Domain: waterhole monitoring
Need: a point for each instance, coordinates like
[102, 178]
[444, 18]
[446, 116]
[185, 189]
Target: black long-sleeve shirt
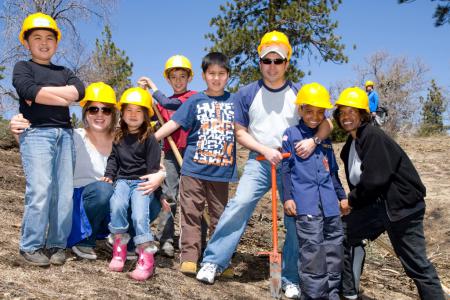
[386, 172]
[29, 77]
[130, 159]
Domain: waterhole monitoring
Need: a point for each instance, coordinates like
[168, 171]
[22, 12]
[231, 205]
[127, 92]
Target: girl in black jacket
[386, 194]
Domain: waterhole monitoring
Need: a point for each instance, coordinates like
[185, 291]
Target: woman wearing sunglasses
[93, 144]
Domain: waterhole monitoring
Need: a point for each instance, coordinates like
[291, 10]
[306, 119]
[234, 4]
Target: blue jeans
[124, 193]
[96, 197]
[48, 162]
[254, 183]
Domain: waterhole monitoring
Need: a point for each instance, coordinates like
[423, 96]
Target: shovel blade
[275, 275]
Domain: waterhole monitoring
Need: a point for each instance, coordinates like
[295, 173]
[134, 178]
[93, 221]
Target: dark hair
[216, 58]
[114, 115]
[27, 33]
[363, 114]
[145, 130]
[188, 72]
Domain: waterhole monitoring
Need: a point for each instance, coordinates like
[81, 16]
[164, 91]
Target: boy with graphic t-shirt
[210, 157]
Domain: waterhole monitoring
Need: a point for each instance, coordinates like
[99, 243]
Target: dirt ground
[383, 277]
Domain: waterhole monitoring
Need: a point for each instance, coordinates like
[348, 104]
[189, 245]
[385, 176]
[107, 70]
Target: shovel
[274, 255]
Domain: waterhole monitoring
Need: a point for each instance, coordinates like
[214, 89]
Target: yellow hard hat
[369, 83]
[39, 21]
[314, 94]
[275, 37]
[137, 96]
[99, 92]
[178, 61]
[354, 97]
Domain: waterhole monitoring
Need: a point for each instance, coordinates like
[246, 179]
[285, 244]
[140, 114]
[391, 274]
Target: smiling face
[273, 74]
[133, 116]
[311, 115]
[350, 119]
[216, 77]
[42, 44]
[178, 79]
[99, 116]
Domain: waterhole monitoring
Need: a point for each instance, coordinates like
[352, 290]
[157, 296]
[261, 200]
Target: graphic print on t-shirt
[215, 144]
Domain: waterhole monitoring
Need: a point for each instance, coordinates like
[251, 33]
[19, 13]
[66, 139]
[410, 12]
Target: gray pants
[321, 252]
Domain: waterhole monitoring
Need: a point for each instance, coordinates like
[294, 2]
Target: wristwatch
[317, 140]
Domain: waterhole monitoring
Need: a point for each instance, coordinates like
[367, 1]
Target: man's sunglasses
[277, 61]
[93, 110]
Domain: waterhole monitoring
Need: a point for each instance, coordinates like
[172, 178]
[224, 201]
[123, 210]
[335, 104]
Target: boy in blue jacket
[312, 190]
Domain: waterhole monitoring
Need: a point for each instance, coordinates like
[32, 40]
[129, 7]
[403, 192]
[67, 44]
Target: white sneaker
[351, 297]
[207, 273]
[292, 291]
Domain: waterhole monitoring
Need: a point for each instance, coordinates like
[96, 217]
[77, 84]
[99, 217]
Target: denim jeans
[253, 184]
[96, 197]
[48, 163]
[125, 192]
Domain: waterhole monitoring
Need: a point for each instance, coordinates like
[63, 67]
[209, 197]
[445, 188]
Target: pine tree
[110, 64]
[432, 110]
[308, 25]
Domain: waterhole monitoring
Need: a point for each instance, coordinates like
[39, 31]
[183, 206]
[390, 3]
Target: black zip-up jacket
[387, 173]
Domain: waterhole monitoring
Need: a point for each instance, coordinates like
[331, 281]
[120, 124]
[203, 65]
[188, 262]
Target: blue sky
[152, 31]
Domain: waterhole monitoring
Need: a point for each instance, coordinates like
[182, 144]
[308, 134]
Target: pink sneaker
[119, 253]
[145, 266]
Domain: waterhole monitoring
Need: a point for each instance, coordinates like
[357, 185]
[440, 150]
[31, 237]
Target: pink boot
[119, 253]
[145, 265]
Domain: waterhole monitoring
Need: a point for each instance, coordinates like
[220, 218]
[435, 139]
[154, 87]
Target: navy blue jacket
[311, 180]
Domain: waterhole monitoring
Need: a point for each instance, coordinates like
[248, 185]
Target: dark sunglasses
[93, 110]
[277, 61]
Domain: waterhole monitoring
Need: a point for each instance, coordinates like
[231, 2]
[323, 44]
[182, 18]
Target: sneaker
[57, 256]
[145, 266]
[228, 273]
[85, 252]
[119, 253]
[35, 258]
[292, 291]
[167, 249]
[207, 273]
[350, 297]
[188, 268]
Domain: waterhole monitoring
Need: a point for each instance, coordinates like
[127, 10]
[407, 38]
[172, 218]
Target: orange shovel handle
[274, 203]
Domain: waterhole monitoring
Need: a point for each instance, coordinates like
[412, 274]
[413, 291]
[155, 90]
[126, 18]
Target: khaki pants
[194, 194]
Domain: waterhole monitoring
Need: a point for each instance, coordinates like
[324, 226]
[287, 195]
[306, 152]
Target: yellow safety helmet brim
[137, 96]
[354, 97]
[178, 62]
[314, 94]
[99, 92]
[275, 37]
[39, 21]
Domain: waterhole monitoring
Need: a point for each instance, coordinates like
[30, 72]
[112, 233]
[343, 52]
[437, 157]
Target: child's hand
[345, 207]
[18, 124]
[290, 208]
[152, 182]
[28, 102]
[305, 148]
[165, 206]
[145, 82]
[106, 179]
